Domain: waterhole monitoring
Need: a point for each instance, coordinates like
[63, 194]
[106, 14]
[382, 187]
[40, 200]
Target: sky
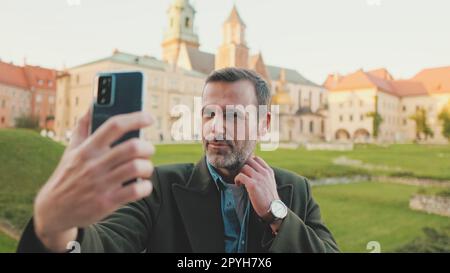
[316, 37]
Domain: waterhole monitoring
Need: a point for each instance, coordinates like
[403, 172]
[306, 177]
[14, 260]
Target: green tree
[376, 119]
[422, 127]
[444, 117]
[29, 122]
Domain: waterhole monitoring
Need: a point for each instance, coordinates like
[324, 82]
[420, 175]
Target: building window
[361, 117]
[50, 83]
[301, 125]
[404, 108]
[404, 121]
[341, 118]
[154, 101]
[350, 117]
[311, 126]
[76, 101]
[158, 123]
[38, 98]
[40, 82]
[187, 22]
[322, 126]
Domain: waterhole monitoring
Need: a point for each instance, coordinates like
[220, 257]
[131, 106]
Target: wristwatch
[277, 211]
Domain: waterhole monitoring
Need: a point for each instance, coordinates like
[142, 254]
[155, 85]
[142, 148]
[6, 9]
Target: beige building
[179, 77]
[166, 87]
[352, 98]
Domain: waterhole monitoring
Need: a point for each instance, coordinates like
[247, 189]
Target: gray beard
[233, 160]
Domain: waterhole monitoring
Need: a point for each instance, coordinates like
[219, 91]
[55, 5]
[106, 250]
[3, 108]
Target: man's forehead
[229, 93]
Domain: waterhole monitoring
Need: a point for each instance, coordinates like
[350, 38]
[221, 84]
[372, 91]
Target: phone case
[127, 95]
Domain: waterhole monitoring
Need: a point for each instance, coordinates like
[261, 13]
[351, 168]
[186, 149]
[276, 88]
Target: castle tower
[180, 31]
[234, 51]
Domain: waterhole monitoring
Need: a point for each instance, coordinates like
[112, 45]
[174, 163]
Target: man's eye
[208, 114]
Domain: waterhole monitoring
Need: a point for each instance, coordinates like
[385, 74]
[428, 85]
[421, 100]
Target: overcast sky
[316, 37]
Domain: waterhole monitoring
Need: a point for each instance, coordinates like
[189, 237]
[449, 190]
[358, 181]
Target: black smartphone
[117, 93]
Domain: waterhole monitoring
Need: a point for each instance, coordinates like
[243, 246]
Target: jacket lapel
[199, 204]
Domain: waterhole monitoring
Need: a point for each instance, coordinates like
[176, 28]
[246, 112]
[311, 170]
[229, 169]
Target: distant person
[230, 201]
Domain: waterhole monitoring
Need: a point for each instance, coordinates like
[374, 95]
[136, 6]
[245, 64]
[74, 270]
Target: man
[230, 201]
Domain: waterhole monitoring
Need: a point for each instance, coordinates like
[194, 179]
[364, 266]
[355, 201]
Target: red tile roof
[404, 88]
[28, 76]
[436, 80]
[12, 75]
[41, 78]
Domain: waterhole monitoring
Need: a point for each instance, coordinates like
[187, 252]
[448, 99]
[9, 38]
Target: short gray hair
[233, 74]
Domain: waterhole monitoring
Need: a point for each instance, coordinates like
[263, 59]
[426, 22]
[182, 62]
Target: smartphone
[117, 93]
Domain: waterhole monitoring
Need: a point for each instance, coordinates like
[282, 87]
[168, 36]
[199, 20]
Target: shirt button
[243, 242]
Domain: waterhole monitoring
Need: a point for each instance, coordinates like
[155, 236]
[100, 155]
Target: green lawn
[423, 161]
[7, 244]
[377, 211]
[369, 211]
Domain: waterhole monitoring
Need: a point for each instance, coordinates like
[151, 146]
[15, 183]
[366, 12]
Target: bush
[28, 122]
[433, 241]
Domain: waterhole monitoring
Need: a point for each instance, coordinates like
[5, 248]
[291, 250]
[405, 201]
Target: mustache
[220, 141]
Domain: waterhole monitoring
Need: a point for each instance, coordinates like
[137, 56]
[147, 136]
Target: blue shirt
[235, 216]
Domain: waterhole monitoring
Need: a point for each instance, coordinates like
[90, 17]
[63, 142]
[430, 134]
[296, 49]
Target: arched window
[311, 126]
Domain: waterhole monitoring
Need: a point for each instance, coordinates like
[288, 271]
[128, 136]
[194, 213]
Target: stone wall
[431, 204]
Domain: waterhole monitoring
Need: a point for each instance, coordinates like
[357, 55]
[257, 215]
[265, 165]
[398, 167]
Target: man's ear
[264, 125]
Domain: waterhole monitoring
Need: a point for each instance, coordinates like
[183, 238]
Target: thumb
[81, 131]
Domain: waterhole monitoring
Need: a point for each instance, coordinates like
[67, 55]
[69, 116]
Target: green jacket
[183, 215]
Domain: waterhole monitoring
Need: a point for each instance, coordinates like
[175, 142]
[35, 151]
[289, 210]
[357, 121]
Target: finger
[124, 152]
[262, 162]
[137, 168]
[249, 171]
[81, 131]
[132, 192]
[243, 179]
[116, 126]
[255, 165]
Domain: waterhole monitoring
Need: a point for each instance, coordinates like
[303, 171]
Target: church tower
[234, 51]
[180, 31]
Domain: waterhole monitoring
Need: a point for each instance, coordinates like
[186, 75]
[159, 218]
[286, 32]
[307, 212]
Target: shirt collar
[220, 183]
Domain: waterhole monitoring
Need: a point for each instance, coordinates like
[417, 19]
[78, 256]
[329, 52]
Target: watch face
[278, 209]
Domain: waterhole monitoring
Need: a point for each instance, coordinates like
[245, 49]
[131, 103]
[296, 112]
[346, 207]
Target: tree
[376, 122]
[444, 117]
[376, 119]
[29, 122]
[422, 128]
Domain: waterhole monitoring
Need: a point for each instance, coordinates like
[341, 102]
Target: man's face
[223, 146]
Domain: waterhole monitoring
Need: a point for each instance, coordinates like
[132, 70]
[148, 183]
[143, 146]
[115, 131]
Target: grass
[422, 161]
[27, 161]
[362, 212]
[7, 244]
[356, 213]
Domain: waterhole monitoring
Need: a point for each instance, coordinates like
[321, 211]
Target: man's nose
[218, 127]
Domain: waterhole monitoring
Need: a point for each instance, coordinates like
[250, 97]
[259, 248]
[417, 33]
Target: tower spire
[181, 15]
